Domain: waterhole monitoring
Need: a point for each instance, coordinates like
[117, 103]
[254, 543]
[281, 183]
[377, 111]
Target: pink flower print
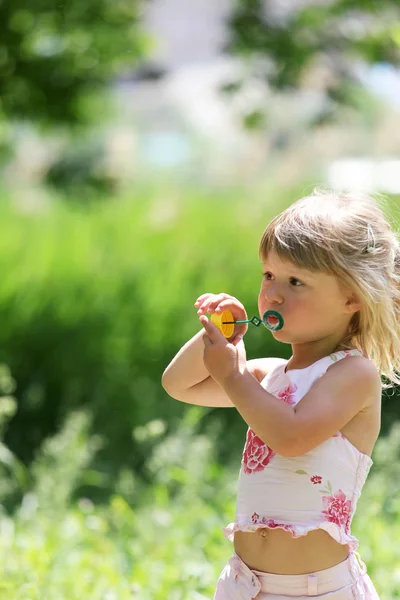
[287, 394]
[353, 352]
[337, 508]
[270, 523]
[256, 454]
[316, 479]
[339, 434]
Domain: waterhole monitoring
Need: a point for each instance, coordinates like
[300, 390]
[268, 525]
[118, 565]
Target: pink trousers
[346, 581]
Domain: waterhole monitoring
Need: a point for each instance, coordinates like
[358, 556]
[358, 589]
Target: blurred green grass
[95, 302]
[168, 544]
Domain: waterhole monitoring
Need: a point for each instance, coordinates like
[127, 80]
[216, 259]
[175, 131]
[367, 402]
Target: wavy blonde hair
[347, 235]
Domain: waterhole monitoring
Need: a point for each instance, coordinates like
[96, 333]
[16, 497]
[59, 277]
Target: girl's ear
[353, 303]
[351, 299]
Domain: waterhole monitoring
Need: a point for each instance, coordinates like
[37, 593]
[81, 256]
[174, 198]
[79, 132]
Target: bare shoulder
[363, 376]
[364, 428]
[260, 367]
[345, 398]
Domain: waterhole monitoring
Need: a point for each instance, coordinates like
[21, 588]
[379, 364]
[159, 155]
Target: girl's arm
[187, 379]
[187, 368]
[348, 387]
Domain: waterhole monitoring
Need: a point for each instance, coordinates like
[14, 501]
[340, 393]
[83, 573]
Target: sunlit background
[144, 146]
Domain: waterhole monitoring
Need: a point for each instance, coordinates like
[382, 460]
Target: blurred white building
[182, 121]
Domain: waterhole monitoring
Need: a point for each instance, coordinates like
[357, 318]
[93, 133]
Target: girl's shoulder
[355, 358]
[361, 373]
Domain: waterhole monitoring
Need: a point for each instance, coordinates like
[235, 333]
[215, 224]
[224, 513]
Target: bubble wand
[226, 323]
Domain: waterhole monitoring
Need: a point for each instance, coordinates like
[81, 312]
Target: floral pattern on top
[287, 394]
[315, 479]
[353, 352]
[337, 508]
[270, 523]
[339, 434]
[256, 454]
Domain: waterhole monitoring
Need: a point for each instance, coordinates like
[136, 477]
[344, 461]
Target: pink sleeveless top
[317, 490]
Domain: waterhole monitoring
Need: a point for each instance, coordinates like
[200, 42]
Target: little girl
[331, 268]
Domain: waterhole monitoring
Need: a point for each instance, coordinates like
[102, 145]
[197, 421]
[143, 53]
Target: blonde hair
[347, 235]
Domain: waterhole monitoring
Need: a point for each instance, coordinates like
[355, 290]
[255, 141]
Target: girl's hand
[222, 359]
[209, 303]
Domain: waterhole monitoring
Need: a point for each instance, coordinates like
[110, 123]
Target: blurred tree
[315, 43]
[54, 54]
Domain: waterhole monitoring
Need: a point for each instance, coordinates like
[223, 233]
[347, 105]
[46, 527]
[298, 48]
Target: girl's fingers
[214, 334]
[201, 303]
[203, 297]
[208, 304]
[216, 302]
[237, 339]
[232, 306]
[209, 296]
[203, 308]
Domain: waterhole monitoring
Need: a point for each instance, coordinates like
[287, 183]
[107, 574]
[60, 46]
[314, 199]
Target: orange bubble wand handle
[224, 321]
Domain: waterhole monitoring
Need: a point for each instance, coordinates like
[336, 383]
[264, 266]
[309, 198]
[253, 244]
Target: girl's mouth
[273, 320]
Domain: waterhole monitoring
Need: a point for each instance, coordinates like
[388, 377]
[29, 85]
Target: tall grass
[167, 541]
[94, 303]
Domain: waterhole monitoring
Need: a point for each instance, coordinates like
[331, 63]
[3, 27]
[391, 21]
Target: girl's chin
[280, 334]
[284, 336]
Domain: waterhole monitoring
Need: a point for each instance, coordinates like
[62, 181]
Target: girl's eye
[297, 282]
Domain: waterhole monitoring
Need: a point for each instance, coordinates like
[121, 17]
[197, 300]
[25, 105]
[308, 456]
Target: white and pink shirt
[318, 490]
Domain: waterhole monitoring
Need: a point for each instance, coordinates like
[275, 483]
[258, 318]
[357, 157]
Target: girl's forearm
[187, 368]
[272, 420]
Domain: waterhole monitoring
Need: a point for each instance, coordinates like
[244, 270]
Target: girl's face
[314, 305]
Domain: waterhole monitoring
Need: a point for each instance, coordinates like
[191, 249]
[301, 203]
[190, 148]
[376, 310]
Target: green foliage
[377, 521]
[54, 55]
[94, 305]
[79, 172]
[13, 473]
[281, 45]
[161, 540]
[136, 548]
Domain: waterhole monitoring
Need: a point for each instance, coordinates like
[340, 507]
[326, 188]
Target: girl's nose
[273, 295]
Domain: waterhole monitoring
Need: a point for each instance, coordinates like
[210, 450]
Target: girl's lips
[273, 322]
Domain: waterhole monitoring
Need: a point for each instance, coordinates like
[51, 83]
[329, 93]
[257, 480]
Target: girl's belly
[282, 554]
